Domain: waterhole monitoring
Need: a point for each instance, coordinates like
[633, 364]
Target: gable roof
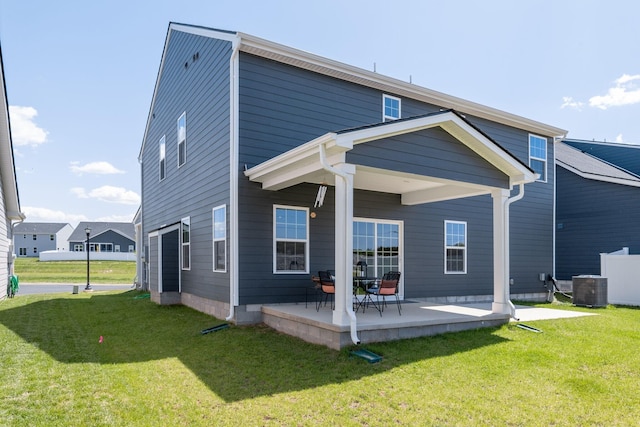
[125, 229]
[39, 227]
[303, 163]
[590, 167]
[7, 163]
[318, 64]
[624, 156]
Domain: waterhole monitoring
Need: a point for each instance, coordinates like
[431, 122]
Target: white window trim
[546, 169]
[213, 216]
[186, 220]
[389, 118]
[465, 249]
[163, 158]
[306, 241]
[184, 114]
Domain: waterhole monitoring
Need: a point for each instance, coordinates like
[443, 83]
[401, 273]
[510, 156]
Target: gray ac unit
[590, 291]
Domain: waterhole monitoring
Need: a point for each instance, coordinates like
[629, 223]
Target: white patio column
[344, 243]
[501, 302]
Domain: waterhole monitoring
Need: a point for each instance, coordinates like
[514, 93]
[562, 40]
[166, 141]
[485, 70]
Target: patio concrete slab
[418, 318]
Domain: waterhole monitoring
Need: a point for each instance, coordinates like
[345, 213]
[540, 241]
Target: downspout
[348, 304]
[233, 178]
[507, 250]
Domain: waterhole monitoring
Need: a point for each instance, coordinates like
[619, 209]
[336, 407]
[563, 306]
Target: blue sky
[80, 74]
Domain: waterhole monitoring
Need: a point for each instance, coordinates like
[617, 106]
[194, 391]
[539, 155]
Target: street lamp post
[88, 287]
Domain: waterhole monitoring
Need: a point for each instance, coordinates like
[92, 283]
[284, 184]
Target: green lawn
[31, 270]
[154, 368]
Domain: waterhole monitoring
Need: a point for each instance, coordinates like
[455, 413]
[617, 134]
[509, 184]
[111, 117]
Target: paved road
[48, 288]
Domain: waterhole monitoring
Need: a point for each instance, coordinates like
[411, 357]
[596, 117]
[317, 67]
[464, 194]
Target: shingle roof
[591, 167]
[124, 228]
[39, 227]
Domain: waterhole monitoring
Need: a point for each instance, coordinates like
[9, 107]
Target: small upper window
[186, 243]
[182, 139]
[538, 156]
[163, 154]
[390, 108]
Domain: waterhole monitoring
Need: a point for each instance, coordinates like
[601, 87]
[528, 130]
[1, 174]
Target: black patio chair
[386, 287]
[328, 288]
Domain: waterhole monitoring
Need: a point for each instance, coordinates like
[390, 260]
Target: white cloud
[35, 214]
[569, 102]
[23, 129]
[625, 92]
[619, 139]
[109, 194]
[100, 168]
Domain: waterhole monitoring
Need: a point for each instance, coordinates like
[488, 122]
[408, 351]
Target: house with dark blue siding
[103, 237]
[262, 164]
[598, 204]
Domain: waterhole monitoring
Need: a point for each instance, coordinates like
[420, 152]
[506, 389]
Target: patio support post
[500, 253]
[344, 243]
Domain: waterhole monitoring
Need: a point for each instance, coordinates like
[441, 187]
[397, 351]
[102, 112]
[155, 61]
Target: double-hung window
[163, 155]
[390, 108]
[182, 139]
[185, 225]
[538, 156]
[220, 238]
[455, 247]
[291, 239]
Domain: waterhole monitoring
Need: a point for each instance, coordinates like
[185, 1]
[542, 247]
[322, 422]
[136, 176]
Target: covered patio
[341, 160]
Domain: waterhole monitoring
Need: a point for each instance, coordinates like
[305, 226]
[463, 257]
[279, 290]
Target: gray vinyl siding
[431, 152]
[593, 217]
[282, 107]
[202, 91]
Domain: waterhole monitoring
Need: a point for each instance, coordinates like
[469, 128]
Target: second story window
[182, 139]
[538, 156]
[390, 108]
[163, 154]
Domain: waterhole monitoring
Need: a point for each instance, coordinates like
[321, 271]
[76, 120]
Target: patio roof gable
[302, 164]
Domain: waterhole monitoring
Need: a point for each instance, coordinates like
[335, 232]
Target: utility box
[590, 291]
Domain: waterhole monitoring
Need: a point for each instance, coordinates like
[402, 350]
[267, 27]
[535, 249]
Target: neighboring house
[242, 136]
[31, 238]
[597, 205]
[9, 199]
[103, 237]
[623, 156]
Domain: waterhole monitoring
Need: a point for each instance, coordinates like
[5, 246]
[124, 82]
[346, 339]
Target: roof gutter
[343, 176]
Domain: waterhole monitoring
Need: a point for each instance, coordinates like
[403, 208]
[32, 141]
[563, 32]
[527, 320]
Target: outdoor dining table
[364, 283]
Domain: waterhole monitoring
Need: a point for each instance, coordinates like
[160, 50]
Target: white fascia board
[312, 62]
[296, 154]
[602, 178]
[439, 194]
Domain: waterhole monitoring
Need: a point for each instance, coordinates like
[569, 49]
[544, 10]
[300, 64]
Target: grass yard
[31, 270]
[154, 367]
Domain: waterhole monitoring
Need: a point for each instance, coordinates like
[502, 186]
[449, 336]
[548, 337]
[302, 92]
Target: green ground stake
[528, 328]
[215, 328]
[143, 296]
[367, 355]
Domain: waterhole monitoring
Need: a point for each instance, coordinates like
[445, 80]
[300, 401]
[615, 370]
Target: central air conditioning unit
[590, 291]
